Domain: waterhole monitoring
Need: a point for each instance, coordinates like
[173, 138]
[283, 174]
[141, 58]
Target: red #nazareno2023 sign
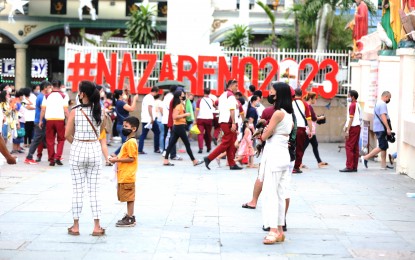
[194, 71]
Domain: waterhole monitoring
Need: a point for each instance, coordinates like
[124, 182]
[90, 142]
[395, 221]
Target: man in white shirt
[227, 121]
[204, 119]
[54, 110]
[148, 115]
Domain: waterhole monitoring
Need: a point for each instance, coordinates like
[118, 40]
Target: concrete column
[20, 68]
[188, 27]
[365, 81]
[389, 65]
[406, 118]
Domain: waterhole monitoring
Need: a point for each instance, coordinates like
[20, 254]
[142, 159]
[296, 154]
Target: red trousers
[55, 130]
[352, 148]
[227, 144]
[299, 147]
[216, 126]
[205, 127]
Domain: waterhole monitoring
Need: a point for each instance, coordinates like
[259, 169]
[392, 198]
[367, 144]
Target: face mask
[9, 90]
[257, 104]
[63, 89]
[126, 132]
[271, 99]
[36, 91]
[387, 101]
[349, 99]
[124, 97]
[102, 94]
[183, 98]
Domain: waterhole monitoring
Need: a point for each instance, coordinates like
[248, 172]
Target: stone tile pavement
[186, 212]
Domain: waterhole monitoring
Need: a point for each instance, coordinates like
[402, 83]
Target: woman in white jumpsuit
[275, 162]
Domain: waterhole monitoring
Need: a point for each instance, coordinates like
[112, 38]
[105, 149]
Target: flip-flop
[72, 233]
[168, 164]
[198, 163]
[246, 206]
[99, 233]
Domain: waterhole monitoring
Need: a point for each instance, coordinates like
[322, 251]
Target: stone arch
[42, 32]
[10, 36]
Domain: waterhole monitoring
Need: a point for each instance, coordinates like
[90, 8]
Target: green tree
[296, 10]
[271, 16]
[340, 40]
[238, 37]
[139, 28]
[320, 14]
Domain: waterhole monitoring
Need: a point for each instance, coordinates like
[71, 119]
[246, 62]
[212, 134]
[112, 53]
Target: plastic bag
[194, 130]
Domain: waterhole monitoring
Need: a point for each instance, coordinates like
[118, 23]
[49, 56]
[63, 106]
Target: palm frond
[267, 10]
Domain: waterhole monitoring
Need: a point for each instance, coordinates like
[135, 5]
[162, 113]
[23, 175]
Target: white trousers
[273, 198]
[85, 163]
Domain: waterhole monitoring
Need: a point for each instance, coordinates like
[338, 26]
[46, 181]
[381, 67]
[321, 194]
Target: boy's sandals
[99, 233]
[273, 238]
[71, 232]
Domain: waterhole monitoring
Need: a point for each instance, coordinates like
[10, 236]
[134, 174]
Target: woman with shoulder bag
[85, 162]
[311, 99]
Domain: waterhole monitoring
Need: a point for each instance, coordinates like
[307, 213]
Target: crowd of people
[239, 126]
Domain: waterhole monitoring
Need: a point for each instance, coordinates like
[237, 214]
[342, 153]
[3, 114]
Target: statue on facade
[91, 8]
[385, 30]
[407, 15]
[360, 25]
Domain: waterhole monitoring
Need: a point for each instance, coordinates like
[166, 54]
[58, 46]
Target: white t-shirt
[55, 102]
[166, 106]
[30, 114]
[158, 104]
[22, 114]
[205, 108]
[260, 109]
[226, 104]
[148, 100]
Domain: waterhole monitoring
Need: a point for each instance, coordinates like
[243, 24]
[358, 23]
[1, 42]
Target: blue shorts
[383, 143]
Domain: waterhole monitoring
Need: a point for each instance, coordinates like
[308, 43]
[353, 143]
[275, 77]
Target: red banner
[195, 71]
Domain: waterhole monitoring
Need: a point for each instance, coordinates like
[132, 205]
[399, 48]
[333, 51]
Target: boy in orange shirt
[127, 168]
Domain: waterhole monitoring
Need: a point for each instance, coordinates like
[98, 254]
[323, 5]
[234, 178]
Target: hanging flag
[58, 7]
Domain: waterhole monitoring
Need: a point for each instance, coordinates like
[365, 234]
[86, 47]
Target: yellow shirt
[126, 171]
[180, 109]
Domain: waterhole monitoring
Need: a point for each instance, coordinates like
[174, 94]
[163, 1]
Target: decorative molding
[217, 23]
[27, 29]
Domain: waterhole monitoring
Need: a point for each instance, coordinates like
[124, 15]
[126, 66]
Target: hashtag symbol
[80, 70]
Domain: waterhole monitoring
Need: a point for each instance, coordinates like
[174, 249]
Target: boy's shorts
[126, 192]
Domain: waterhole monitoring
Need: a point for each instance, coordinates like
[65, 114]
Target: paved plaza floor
[186, 212]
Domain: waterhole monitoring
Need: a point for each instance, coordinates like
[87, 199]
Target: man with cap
[227, 105]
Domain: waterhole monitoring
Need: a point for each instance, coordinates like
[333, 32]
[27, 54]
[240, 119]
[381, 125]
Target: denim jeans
[38, 140]
[144, 132]
[161, 139]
